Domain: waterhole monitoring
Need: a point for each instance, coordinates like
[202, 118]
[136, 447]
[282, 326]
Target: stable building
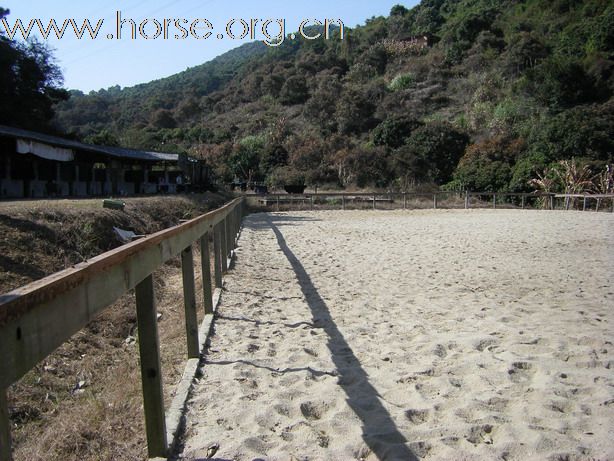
[36, 165]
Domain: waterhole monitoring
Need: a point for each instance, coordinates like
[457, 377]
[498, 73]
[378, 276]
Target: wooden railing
[37, 318]
[310, 200]
[372, 198]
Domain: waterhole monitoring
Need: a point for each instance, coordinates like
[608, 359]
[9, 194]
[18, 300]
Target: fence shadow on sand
[379, 431]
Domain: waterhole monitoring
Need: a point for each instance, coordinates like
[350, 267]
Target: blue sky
[93, 64]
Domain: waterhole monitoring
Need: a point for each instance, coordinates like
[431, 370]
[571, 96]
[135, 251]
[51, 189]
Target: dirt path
[404, 335]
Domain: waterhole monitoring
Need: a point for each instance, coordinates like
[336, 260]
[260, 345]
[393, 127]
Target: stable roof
[118, 152]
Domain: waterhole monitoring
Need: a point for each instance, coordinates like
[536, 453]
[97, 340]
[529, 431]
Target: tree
[244, 162]
[583, 131]
[560, 83]
[394, 132]
[30, 83]
[273, 156]
[487, 165]
[354, 111]
[431, 153]
[294, 91]
[320, 108]
[525, 51]
[103, 138]
[398, 10]
[163, 118]
[426, 18]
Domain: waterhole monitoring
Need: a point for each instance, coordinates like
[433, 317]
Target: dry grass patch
[84, 401]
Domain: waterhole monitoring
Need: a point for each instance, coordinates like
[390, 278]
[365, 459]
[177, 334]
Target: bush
[431, 153]
[286, 175]
[294, 91]
[354, 111]
[582, 131]
[560, 83]
[402, 82]
[487, 166]
[394, 131]
[363, 166]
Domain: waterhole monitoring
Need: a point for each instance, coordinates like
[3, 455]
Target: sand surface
[475, 334]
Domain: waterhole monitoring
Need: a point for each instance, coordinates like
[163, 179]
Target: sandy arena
[476, 335]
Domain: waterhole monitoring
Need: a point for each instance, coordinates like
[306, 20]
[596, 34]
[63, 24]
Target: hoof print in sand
[323, 440]
[417, 416]
[420, 449]
[480, 434]
[520, 371]
[440, 351]
[312, 411]
[252, 348]
[486, 344]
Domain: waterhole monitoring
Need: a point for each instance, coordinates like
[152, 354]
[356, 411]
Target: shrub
[294, 91]
[354, 111]
[583, 131]
[487, 166]
[286, 175]
[402, 82]
[559, 82]
[431, 153]
[394, 131]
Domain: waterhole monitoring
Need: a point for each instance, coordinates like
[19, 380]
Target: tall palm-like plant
[604, 183]
[575, 178]
[544, 183]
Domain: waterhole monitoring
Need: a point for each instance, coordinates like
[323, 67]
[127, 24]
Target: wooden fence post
[584, 203]
[239, 219]
[278, 203]
[224, 246]
[312, 203]
[522, 198]
[494, 201]
[552, 202]
[405, 200]
[374, 201]
[343, 202]
[217, 255]
[205, 263]
[151, 376]
[467, 204]
[435, 201]
[5, 428]
[189, 302]
[231, 232]
[234, 227]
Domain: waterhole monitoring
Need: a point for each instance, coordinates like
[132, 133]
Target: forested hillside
[504, 90]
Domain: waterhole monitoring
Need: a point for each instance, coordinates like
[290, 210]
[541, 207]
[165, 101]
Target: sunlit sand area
[474, 334]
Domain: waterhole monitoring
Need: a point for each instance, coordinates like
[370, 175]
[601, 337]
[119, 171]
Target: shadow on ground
[378, 428]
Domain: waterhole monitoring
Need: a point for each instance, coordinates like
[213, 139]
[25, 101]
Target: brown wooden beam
[205, 262]
[151, 375]
[189, 302]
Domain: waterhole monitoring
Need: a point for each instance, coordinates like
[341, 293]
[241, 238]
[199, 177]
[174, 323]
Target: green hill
[504, 89]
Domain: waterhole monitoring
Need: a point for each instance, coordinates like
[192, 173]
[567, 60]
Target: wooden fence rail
[278, 199]
[37, 318]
